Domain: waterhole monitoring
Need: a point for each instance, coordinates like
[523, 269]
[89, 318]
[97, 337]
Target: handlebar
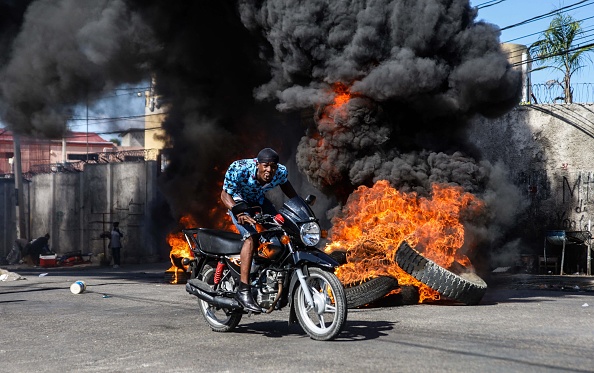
[262, 219]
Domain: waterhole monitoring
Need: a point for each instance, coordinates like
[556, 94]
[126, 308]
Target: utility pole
[87, 127]
[63, 152]
[18, 185]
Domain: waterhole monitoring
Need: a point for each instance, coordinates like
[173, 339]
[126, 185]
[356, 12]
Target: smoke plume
[237, 76]
[65, 54]
[419, 69]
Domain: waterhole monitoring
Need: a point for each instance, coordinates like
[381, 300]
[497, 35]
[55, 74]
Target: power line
[130, 91]
[545, 15]
[555, 54]
[584, 36]
[540, 32]
[117, 118]
[489, 3]
[589, 43]
[122, 131]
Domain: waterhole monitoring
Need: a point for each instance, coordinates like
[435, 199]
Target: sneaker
[116, 266]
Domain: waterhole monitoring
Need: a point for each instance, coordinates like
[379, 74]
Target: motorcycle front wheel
[219, 319]
[325, 319]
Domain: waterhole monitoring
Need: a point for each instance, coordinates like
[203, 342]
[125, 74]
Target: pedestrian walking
[115, 244]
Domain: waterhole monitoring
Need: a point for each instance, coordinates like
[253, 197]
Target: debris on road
[10, 276]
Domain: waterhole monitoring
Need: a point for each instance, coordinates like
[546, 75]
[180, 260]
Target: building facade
[35, 153]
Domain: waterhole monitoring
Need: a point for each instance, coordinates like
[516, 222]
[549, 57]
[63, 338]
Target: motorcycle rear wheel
[217, 318]
[326, 319]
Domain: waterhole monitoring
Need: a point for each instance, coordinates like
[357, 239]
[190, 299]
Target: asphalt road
[130, 320]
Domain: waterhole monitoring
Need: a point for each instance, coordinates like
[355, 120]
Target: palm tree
[558, 46]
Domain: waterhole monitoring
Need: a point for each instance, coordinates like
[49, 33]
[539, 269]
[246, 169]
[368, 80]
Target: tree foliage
[559, 48]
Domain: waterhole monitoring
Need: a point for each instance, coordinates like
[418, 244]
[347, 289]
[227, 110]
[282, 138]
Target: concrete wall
[549, 150]
[8, 214]
[76, 207]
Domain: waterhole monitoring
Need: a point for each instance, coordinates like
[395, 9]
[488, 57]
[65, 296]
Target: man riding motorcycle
[248, 180]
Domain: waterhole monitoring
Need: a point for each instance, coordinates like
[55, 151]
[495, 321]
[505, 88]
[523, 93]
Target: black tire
[339, 256]
[219, 320]
[467, 288]
[369, 291]
[327, 318]
[407, 296]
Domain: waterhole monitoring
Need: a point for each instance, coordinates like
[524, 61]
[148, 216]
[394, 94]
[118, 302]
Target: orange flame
[179, 248]
[376, 220]
[342, 94]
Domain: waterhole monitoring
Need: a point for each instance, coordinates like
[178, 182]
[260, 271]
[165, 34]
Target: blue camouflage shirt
[240, 181]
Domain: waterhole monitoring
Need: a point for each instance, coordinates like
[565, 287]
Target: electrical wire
[142, 116]
[555, 54]
[584, 36]
[489, 4]
[545, 15]
[540, 32]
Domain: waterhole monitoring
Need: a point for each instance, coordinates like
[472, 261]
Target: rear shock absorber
[219, 272]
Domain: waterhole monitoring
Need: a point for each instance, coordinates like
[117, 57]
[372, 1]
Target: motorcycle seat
[214, 241]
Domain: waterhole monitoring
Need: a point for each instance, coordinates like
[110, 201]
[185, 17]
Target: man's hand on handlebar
[244, 218]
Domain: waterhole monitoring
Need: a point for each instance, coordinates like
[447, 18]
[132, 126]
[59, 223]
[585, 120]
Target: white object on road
[78, 287]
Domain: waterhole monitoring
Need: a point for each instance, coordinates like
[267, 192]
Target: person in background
[37, 247]
[17, 253]
[115, 244]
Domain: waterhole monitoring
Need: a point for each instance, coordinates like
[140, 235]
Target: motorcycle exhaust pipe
[217, 300]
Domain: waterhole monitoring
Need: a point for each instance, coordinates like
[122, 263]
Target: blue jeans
[247, 230]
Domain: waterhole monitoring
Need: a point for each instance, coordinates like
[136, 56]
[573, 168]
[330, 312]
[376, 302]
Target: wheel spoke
[330, 308]
[321, 320]
[322, 323]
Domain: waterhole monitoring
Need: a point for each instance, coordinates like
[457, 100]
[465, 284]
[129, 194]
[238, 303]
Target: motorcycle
[287, 270]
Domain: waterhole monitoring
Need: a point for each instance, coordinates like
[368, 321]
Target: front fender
[316, 258]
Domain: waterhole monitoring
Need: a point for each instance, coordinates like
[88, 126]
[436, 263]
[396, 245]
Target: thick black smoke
[236, 76]
[206, 77]
[416, 70]
[419, 69]
[67, 53]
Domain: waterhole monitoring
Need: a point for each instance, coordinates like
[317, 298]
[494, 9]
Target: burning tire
[407, 295]
[467, 288]
[339, 256]
[369, 291]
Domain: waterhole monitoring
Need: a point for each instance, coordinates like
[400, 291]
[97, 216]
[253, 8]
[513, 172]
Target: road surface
[130, 320]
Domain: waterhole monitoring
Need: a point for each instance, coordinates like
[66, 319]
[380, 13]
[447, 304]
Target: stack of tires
[467, 288]
[377, 291]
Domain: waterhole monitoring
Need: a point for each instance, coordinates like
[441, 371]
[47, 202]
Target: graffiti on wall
[564, 202]
[577, 201]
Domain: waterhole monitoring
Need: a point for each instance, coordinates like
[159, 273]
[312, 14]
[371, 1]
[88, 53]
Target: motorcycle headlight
[310, 233]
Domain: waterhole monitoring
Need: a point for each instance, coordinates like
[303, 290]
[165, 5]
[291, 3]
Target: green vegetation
[559, 49]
